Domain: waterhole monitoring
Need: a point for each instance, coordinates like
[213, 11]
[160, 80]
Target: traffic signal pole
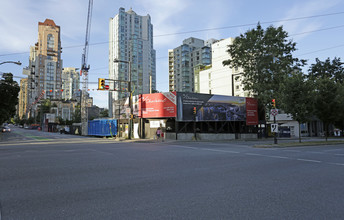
[275, 133]
[194, 122]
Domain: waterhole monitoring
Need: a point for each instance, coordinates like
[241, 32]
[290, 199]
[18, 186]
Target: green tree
[104, 114]
[266, 59]
[327, 69]
[328, 78]
[76, 117]
[297, 98]
[326, 105]
[44, 107]
[9, 90]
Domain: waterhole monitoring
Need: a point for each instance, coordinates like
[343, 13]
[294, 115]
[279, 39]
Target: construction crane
[84, 73]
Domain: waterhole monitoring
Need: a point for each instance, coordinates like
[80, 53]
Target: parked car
[5, 129]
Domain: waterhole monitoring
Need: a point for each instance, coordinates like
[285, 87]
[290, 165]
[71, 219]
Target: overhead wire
[212, 29]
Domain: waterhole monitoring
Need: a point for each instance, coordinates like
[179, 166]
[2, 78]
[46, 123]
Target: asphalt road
[68, 177]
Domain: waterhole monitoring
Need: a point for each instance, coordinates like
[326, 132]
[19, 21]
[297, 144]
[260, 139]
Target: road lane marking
[253, 154]
[332, 150]
[224, 151]
[316, 152]
[279, 157]
[339, 164]
[307, 160]
[206, 149]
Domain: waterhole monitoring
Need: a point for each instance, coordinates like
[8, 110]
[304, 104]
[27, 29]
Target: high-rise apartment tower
[45, 66]
[131, 42]
[182, 61]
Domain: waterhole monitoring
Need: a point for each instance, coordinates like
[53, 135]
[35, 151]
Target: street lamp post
[130, 95]
[18, 62]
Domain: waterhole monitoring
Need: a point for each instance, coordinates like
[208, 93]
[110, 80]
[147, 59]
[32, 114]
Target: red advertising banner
[157, 105]
[251, 111]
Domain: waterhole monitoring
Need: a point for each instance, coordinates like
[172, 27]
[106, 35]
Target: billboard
[251, 111]
[157, 105]
[213, 108]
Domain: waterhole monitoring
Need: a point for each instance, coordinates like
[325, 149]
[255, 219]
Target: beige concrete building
[48, 66]
[45, 66]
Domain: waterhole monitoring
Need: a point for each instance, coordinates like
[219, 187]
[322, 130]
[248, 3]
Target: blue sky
[19, 28]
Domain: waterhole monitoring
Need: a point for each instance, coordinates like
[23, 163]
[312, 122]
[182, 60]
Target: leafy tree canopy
[297, 98]
[9, 90]
[104, 114]
[266, 59]
[327, 69]
[328, 78]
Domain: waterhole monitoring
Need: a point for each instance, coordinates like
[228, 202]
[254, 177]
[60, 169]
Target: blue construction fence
[102, 127]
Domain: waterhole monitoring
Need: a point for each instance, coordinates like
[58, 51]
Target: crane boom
[84, 73]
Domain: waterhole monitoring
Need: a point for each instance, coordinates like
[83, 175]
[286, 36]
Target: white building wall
[218, 79]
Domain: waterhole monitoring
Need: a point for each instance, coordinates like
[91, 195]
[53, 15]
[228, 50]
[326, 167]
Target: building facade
[45, 66]
[70, 82]
[131, 43]
[48, 67]
[217, 78]
[23, 98]
[182, 61]
[171, 85]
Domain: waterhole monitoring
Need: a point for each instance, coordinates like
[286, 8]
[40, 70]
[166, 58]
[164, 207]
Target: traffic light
[101, 84]
[194, 110]
[273, 103]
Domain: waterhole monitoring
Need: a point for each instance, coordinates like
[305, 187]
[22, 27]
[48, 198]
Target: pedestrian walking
[158, 133]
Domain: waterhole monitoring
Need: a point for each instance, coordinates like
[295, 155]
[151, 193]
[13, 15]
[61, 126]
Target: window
[50, 41]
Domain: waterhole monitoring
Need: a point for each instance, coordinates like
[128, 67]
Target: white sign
[274, 112]
[274, 128]
[157, 124]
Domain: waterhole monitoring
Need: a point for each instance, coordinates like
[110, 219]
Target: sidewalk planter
[102, 127]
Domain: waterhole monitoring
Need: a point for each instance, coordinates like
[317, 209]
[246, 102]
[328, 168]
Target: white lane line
[306, 160]
[339, 164]
[271, 156]
[253, 154]
[194, 148]
[224, 151]
[292, 151]
[332, 150]
[316, 152]
[207, 149]
[261, 155]
[279, 157]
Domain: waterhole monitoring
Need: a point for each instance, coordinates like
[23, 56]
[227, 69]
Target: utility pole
[194, 111]
[130, 95]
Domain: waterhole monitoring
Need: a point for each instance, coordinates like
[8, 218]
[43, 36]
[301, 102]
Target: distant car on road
[5, 129]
